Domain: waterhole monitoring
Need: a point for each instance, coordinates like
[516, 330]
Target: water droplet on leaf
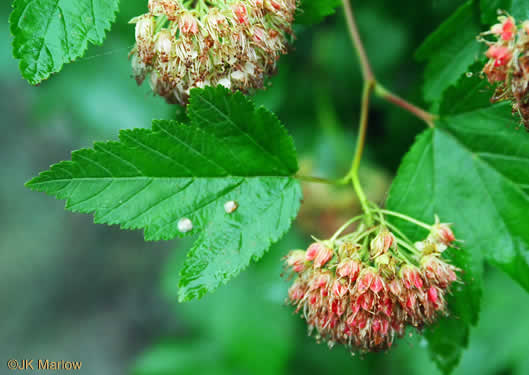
[185, 225]
[230, 207]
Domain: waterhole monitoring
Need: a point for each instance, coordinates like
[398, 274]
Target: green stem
[369, 76]
[367, 72]
[427, 117]
[408, 246]
[360, 142]
[388, 224]
[407, 218]
[353, 237]
[370, 85]
[398, 231]
[409, 260]
[343, 227]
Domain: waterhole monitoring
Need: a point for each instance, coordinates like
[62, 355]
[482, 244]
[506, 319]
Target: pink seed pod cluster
[363, 294]
[233, 43]
[508, 64]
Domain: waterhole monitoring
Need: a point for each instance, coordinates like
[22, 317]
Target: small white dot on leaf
[230, 207]
[185, 225]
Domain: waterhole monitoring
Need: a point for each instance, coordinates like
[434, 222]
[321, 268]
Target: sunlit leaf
[161, 178]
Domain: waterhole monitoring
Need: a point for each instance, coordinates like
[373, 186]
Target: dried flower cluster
[186, 44]
[364, 289]
[508, 65]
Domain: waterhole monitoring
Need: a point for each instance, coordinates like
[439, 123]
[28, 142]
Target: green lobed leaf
[314, 11]
[152, 178]
[519, 9]
[472, 170]
[49, 33]
[450, 50]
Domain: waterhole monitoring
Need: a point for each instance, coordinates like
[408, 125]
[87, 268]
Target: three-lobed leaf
[471, 170]
[49, 33]
[154, 178]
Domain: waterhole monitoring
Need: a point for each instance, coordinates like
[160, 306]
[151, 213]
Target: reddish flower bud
[320, 280]
[377, 325]
[360, 321]
[508, 29]
[296, 260]
[324, 255]
[259, 34]
[377, 285]
[410, 301]
[275, 4]
[437, 271]
[417, 280]
[338, 306]
[432, 295]
[366, 301]
[382, 243]
[313, 251]
[411, 277]
[387, 307]
[296, 292]
[240, 13]
[348, 269]
[314, 299]
[441, 233]
[385, 327]
[188, 24]
[364, 280]
[395, 287]
[500, 54]
[338, 289]
[451, 277]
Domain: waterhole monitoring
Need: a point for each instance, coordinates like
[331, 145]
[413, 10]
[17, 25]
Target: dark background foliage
[73, 290]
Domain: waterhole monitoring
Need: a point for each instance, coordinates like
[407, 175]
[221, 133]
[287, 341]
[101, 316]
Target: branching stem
[370, 86]
[369, 76]
[383, 93]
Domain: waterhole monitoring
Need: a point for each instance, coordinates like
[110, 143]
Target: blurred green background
[73, 290]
